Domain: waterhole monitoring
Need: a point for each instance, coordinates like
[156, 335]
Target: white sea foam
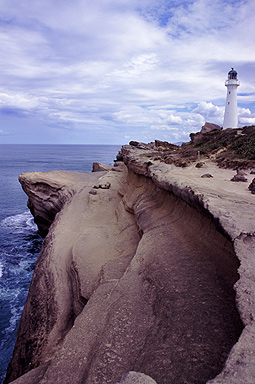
[20, 222]
[16, 313]
[1, 269]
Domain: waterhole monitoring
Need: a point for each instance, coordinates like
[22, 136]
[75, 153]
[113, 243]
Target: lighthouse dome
[232, 74]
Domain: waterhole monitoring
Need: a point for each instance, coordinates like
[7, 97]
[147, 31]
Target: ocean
[20, 242]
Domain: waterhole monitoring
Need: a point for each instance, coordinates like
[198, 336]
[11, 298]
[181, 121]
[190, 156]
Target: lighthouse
[230, 116]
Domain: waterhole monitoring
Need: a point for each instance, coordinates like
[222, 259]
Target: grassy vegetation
[230, 147]
[244, 146]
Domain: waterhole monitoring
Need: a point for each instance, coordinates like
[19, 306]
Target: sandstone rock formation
[97, 167]
[139, 277]
[47, 195]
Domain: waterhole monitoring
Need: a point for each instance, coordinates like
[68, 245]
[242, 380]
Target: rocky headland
[147, 273]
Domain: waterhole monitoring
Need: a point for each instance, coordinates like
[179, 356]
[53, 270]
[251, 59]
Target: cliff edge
[147, 268]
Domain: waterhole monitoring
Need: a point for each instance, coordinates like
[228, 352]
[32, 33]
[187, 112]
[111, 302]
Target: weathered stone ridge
[139, 277]
[47, 297]
[47, 196]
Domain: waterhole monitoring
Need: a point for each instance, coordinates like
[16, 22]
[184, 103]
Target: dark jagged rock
[200, 164]
[252, 186]
[103, 186]
[140, 145]
[119, 156]
[166, 145]
[134, 143]
[238, 177]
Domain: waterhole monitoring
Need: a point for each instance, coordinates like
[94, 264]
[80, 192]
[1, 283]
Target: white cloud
[136, 65]
[247, 120]
[210, 112]
[159, 119]
[245, 117]
[21, 101]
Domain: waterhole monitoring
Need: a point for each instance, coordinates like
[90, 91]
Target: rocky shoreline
[146, 267]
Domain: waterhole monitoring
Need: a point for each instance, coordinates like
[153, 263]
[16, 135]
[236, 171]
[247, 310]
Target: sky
[111, 71]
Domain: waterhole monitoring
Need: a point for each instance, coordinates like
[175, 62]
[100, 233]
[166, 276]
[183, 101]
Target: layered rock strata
[139, 277]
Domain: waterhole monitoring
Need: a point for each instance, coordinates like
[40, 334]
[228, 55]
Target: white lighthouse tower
[230, 116]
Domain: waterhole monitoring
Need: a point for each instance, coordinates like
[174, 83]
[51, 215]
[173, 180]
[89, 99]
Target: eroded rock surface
[54, 298]
[48, 192]
[139, 277]
[136, 377]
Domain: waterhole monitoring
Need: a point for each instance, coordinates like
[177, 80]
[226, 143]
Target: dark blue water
[20, 241]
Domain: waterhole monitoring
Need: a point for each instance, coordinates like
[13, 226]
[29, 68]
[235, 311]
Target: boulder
[200, 164]
[252, 187]
[208, 127]
[238, 177]
[98, 167]
[103, 185]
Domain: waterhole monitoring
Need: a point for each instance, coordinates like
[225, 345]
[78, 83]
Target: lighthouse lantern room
[230, 116]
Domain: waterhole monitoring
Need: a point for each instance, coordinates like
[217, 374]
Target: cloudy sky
[111, 71]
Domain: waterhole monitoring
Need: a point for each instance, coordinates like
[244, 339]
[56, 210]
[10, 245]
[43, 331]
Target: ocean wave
[20, 222]
[15, 316]
[1, 269]
[10, 293]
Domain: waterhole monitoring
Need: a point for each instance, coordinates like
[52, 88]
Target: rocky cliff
[147, 267]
